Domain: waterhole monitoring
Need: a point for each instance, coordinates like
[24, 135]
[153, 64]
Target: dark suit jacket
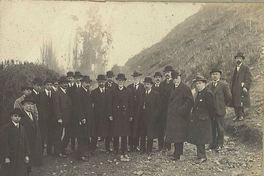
[62, 106]
[222, 97]
[238, 96]
[45, 109]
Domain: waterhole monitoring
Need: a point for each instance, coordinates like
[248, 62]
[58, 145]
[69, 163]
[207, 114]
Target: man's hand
[245, 90]
[60, 121]
[7, 161]
[110, 118]
[26, 159]
[130, 119]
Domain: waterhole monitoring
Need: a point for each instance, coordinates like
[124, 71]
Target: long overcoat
[180, 104]
[243, 76]
[200, 126]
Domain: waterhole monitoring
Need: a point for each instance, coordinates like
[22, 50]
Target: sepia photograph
[103, 88]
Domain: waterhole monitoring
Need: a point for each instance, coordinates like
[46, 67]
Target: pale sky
[133, 26]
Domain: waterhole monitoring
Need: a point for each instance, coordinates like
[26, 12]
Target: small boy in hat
[222, 98]
[149, 114]
[15, 148]
[137, 90]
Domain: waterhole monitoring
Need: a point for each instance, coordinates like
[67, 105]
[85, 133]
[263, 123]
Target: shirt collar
[85, 89]
[35, 92]
[16, 124]
[63, 90]
[239, 65]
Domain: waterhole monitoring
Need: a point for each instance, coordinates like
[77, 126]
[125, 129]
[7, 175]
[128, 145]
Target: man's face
[86, 84]
[27, 92]
[157, 79]
[15, 118]
[78, 79]
[37, 87]
[147, 85]
[101, 83]
[239, 60]
[120, 83]
[136, 79]
[70, 78]
[167, 74]
[64, 85]
[28, 106]
[200, 85]
[215, 76]
[48, 86]
[177, 80]
[56, 84]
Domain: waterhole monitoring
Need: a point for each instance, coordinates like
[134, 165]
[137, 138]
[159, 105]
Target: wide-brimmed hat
[70, 74]
[199, 78]
[157, 74]
[86, 79]
[240, 54]
[121, 76]
[136, 74]
[110, 74]
[168, 68]
[175, 74]
[28, 99]
[77, 74]
[148, 80]
[215, 70]
[101, 78]
[63, 79]
[16, 111]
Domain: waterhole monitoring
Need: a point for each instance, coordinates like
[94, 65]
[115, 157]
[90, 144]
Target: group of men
[56, 114]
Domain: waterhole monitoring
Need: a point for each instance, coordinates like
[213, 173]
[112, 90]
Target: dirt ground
[236, 159]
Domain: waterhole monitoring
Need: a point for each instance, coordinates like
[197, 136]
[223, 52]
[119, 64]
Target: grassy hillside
[210, 37]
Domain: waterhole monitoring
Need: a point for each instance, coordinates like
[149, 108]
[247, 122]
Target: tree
[48, 56]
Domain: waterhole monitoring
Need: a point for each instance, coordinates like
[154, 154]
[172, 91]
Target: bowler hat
[148, 80]
[37, 81]
[28, 99]
[101, 78]
[63, 79]
[240, 54]
[175, 74]
[48, 80]
[121, 76]
[110, 74]
[16, 111]
[216, 70]
[136, 74]
[199, 78]
[70, 74]
[157, 74]
[86, 79]
[168, 68]
[77, 74]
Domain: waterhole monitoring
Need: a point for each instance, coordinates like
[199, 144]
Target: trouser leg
[143, 144]
[201, 151]
[58, 140]
[213, 145]
[220, 131]
[149, 145]
[123, 144]
[116, 144]
[107, 143]
[178, 149]
[93, 143]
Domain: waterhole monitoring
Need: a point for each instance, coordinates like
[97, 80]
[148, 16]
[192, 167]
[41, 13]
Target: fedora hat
[77, 74]
[86, 79]
[70, 74]
[121, 76]
[101, 78]
[240, 54]
[26, 88]
[28, 99]
[199, 78]
[136, 74]
[175, 74]
[148, 80]
[215, 70]
[168, 68]
[110, 74]
[48, 80]
[157, 74]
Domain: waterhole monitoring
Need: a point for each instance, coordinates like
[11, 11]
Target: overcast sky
[133, 26]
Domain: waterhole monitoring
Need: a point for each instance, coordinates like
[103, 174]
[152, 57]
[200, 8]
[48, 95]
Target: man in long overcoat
[240, 86]
[102, 100]
[121, 113]
[63, 114]
[137, 90]
[15, 148]
[222, 98]
[180, 104]
[149, 114]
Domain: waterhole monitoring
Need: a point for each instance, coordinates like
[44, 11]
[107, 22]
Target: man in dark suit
[110, 83]
[240, 86]
[37, 88]
[165, 90]
[63, 114]
[29, 121]
[47, 120]
[179, 107]
[162, 122]
[149, 114]
[85, 117]
[137, 91]
[222, 98]
[101, 98]
[15, 147]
